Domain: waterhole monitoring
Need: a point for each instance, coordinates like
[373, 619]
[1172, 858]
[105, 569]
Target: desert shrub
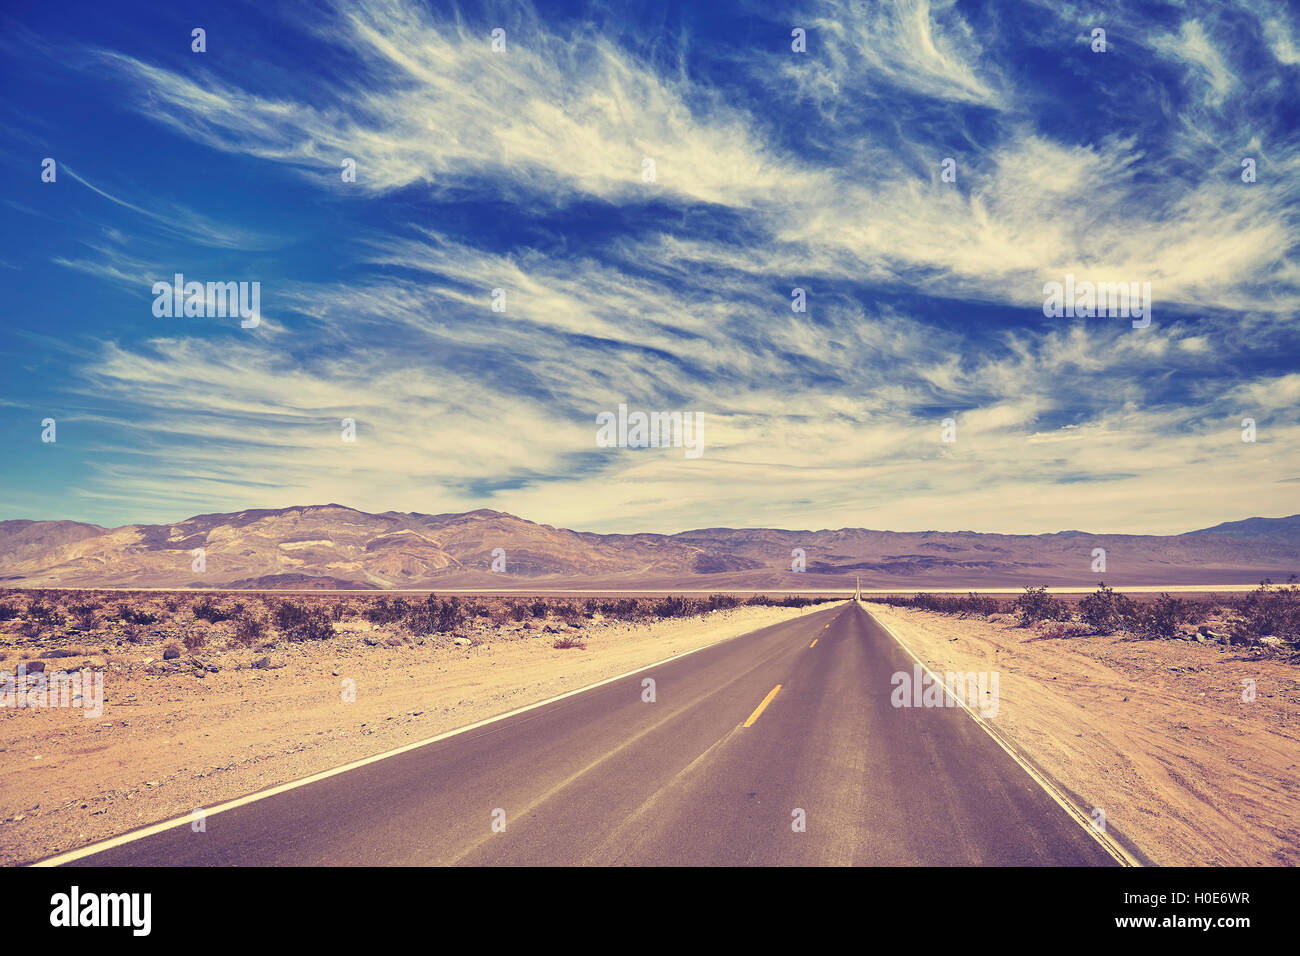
[206, 609]
[672, 606]
[1037, 605]
[984, 603]
[517, 612]
[538, 608]
[1268, 611]
[194, 639]
[623, 609]
[970, 603]
[301, 623]
[566, 642]
[385, 611]
[434, 616]
[1063, 630]
[171, 649]
[85, 616]
[43, 613]
[721, 602]
[790, 600]
[249, 630]
[1161, 617]
[1105, 611]
[8, 611]
[568, 613]
[132, 615]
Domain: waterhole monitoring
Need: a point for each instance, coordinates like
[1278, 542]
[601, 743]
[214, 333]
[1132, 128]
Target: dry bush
[567, 613]
[135, 615]
[44, 613]
[84, 615]
[298, 622]
[249, 630]
[208, 610]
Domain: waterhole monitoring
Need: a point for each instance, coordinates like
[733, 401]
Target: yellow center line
[760, 708]
[813, 644]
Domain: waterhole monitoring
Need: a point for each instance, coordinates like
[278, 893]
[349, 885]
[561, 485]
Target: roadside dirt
[171, 742]
[1156, 733]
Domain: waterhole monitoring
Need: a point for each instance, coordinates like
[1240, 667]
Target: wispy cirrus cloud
[522, 171]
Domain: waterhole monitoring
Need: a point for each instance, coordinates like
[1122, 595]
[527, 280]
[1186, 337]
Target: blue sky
[522, 170]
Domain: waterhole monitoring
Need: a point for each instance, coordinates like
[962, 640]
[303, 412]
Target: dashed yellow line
[813, 644]
[761, 707]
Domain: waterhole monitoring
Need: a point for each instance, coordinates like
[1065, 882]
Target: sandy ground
[170, 742]
[1154, 732]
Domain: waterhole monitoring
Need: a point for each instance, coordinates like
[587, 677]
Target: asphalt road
[704, 775]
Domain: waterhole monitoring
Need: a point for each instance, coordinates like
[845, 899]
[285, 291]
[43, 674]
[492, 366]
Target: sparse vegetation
[298, 622]
[1269, 611]
[250, 630]
[184, 626]
[433, 616]
[1266, 619]
[1037, 605]
[208, 610]
[44, 613]
[1107, 612]
[971, 603]
[84, 615]
[132, 615]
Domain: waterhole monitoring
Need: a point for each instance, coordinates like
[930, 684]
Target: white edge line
[134, 835]
[1122, 856]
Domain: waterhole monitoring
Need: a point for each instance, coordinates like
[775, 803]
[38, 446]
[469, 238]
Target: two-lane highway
[781, 747]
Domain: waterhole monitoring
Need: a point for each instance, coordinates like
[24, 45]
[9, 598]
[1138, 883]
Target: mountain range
[332, 546]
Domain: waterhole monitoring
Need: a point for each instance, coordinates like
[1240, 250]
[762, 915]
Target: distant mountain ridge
[333, 546]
